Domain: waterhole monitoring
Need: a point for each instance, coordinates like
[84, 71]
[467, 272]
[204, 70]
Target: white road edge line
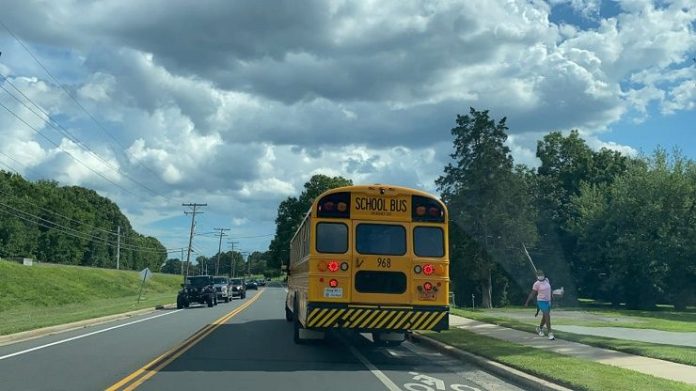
[83, 335]
[391, 386]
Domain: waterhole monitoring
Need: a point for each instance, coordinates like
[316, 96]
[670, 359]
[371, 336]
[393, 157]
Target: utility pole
[221, 234]
[193, 222]
[248, 266]
[182, 261]
[233, 261]
[118, 247]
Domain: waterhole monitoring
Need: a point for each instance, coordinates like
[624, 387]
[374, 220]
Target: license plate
[333, 292]
[427, 296]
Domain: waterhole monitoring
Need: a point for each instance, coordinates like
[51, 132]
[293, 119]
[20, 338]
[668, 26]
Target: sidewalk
[650, 366]
[677, 338]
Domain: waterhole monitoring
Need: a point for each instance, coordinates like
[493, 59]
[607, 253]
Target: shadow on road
[267, 345]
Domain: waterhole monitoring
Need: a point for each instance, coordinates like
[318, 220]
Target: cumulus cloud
[228, 102]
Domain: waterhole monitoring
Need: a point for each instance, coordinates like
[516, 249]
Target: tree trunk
[486, 291]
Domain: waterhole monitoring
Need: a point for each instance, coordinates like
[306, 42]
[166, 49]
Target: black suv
[238, 288]
[198, 289]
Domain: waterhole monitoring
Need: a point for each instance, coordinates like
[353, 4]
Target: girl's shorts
[544, 306]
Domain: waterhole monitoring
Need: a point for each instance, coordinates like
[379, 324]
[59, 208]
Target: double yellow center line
[150, 369]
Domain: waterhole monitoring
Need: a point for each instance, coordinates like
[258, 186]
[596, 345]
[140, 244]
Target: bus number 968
[384, 262]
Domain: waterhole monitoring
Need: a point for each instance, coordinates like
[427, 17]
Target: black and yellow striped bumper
[369, 318]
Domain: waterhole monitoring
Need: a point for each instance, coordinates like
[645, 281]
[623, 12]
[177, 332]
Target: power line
[60, 215]
[65, 90]
[61, 148]
[72, 232]
[62, 130]
[253, 237]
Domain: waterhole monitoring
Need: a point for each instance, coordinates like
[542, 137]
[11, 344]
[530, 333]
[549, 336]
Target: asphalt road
[243, 345]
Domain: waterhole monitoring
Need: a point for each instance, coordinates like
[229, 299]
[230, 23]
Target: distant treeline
[69, 225]
[226, 263]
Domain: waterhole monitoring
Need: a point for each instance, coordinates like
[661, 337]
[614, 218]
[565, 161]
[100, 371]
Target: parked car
[223, 288]
[198, 289]
[251, 284]
[238, 288]
[261, 282]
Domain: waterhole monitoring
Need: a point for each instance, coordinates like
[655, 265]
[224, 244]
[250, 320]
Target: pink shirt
[543, 289]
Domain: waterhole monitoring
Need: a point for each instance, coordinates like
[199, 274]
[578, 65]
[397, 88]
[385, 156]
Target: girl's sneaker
[551, 337]
[540, 331]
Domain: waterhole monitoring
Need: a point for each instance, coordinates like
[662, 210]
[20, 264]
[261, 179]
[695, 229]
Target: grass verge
[46, 295]
[569, 371]
[678, 354]
[29, 318]
[656, 320]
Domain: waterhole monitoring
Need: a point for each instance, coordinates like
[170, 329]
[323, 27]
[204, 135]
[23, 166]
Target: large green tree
[291, 212]
[489, 199]
[636, 236]
[568, 163]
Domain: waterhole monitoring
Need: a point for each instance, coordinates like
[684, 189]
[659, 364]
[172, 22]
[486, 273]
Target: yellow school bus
[373, 259]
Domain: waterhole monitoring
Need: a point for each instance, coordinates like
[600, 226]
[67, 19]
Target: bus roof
[398, 197]
[376, 188]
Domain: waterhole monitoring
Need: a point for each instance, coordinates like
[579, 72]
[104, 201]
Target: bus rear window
[332, 238]
[380, 239]
[428, 242]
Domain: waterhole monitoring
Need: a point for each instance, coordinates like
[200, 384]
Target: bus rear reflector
[333, 283]
[427, 286]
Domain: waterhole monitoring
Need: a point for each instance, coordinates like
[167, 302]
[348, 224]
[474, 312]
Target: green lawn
[680, 354]
[28, 318]
[44, 295]
[657, 320]
[569, 371]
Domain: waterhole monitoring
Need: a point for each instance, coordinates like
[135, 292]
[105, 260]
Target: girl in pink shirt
[542, 289]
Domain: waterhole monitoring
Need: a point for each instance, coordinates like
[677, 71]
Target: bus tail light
[428, 269]
[321, 266]
[333, 283]
[427, 209]
[428, 286]
[335, 205]
[332, 266]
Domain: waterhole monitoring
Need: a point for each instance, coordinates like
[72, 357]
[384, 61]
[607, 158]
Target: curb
[516, 376]
[63, 328]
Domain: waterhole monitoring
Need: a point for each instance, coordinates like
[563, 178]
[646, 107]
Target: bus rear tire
[297, 328]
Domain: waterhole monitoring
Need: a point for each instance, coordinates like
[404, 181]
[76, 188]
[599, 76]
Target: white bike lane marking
[84, 335]
[430, 383]
[418, 381]
[391, 386]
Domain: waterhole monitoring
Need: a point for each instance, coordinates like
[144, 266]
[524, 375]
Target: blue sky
[242, 107]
